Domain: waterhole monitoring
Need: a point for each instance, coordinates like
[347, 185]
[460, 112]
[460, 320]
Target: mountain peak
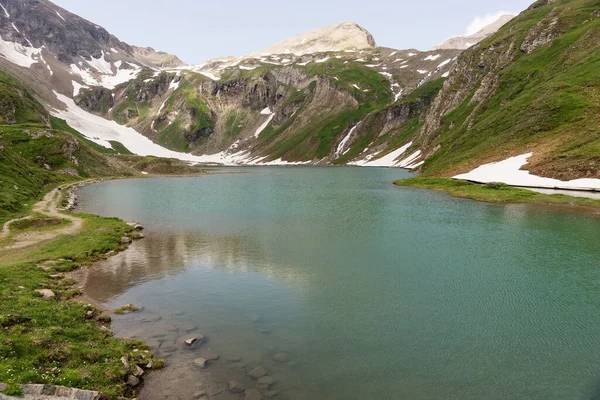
[343, 36]
[464, 42]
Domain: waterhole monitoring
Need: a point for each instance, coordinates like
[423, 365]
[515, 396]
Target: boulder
[252, 394]
[46, 293]
[257, 372]
[236, 387]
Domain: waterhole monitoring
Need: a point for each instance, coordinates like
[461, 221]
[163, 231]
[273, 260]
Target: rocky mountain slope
[464, 42]
[329, 96]
[531, 88]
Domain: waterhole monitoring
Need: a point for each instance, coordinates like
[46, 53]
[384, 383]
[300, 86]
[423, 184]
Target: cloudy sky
[199, 30]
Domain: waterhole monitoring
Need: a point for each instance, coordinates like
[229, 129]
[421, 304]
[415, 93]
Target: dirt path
[48, 206]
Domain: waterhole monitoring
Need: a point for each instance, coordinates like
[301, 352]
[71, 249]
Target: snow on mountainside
[464, 42]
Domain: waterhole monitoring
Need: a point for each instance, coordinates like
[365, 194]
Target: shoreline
[503, 194]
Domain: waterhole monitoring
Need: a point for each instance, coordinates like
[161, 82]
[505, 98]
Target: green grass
[50, 341]
[235, 122]
[38, 223]
[496, 193]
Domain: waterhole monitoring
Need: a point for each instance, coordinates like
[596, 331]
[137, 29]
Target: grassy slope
[497, 194]
[51, 341]
[547, 100]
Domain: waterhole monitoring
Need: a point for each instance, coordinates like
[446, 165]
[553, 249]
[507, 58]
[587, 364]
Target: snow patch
[385, 161]
[247, 68]
[432, 57]
[340, 149]
[18, 54]
[446, 74]
[412, 54]
[101, 131]
[271, 114]
[209, 75]
[61, 17]
[322, 60]
[6, 14]
[422, 71]
[509, 172]
[444, 63]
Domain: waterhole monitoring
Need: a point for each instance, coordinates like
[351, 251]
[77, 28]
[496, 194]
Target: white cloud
[482, 21]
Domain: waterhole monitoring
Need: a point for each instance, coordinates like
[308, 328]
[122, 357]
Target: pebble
[138, 371]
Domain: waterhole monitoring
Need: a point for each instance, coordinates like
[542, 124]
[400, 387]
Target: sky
[198, 30]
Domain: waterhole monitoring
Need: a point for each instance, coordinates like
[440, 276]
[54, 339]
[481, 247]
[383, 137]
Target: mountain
[464, 42]
[335, 99]
[340, 37]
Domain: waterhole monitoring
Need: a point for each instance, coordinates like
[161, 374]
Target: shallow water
[373, 291]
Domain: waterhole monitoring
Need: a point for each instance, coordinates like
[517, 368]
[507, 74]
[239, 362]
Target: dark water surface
[373, 291]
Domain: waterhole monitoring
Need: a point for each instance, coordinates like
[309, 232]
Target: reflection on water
[371, 291]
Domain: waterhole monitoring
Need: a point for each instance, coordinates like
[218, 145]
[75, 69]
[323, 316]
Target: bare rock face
[544, 32]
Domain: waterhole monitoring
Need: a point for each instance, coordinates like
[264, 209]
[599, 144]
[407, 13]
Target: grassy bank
[496, 193]
[54, 340]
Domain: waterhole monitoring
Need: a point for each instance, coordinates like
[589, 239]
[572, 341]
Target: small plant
[126, 309]
[12, 389]
[495, 185]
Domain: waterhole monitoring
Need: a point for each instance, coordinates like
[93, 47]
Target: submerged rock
[281, 357]
[258, 372]
[201, 362]
[234, 358]
[192, 341]
[271, 394]
[236, 387]
[266, 380]
[252, 394]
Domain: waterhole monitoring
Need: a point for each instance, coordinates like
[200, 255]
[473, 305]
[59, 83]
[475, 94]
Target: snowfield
[509, 172]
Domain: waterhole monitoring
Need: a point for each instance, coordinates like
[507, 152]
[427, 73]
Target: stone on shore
[257, 372]
[133, 381]
[46, 293]
[236, 387]
[281, 357]
[138, 371]
[126, 364]
[126, 240]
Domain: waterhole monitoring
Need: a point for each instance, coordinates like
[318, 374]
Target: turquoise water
[374, 292]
